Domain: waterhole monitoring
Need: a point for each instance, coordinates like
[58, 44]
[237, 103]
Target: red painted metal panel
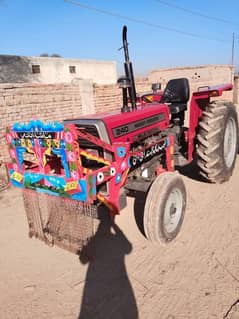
[142, 117]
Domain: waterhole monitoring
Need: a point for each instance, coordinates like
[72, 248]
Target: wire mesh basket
[59, 221]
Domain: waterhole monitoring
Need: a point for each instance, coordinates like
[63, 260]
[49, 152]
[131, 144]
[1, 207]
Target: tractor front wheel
[217, 141]
[164, 208]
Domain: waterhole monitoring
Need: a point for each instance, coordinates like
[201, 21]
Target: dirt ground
[195, 277]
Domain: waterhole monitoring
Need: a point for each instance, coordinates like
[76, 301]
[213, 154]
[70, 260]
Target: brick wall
[106, 98]
[143, 84]
[54, 102]
[22, 102]
[109, 97]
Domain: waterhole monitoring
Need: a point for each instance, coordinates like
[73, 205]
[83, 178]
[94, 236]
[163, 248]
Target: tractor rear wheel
[165, 207]
[217, 141]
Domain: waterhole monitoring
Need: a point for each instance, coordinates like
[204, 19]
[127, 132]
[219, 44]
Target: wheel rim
[230, 138]
[173, 210]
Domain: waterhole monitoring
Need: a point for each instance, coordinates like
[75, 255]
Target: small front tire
[165, 208]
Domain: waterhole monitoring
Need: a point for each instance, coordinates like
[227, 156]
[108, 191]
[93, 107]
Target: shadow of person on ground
[139, 204]
[107, 292]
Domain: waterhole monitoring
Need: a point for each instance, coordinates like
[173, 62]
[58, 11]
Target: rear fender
[199, 100]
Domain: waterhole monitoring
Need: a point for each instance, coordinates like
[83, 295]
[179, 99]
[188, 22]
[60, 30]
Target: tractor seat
[176, 94]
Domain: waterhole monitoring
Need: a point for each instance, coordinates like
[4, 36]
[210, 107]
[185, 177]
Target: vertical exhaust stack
[129, 70]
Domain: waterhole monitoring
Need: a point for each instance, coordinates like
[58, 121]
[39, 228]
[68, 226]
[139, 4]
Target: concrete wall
[16, 69]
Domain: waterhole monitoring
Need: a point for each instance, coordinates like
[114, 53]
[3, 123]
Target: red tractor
[77, 165]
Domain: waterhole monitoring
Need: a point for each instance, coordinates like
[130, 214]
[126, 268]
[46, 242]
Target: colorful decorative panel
[48, 158]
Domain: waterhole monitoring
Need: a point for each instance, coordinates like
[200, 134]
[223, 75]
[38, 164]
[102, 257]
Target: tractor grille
[99, 151]
[91, 129]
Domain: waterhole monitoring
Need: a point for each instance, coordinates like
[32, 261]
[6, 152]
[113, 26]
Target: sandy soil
[197, 276]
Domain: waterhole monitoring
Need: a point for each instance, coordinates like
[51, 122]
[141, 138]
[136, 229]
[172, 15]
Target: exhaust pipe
[129, 70]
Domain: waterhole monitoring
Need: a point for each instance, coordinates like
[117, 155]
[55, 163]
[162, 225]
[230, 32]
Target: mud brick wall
[22, 102]
[143, 84]
[109, 97]
[198, 76]
[55, 102]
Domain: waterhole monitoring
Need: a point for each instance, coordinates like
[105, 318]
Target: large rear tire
[217, 141]
[165, 207]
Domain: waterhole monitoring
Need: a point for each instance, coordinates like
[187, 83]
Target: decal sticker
[17, 177]
[71, 186]
[134, 126]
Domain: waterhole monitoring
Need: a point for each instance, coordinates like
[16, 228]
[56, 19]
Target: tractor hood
[125, 127]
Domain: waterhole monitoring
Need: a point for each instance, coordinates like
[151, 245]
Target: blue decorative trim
[38, 126]
[118, 178]
[121, 151]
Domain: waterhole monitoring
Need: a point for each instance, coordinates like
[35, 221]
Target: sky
[161, 33]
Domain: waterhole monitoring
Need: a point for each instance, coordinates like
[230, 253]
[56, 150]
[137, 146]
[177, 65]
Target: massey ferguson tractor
[67, 170]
